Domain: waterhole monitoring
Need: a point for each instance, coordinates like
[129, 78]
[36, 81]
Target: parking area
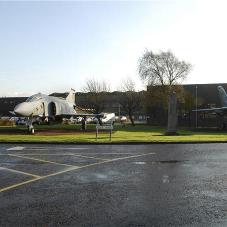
[22, 165]
[113, 185]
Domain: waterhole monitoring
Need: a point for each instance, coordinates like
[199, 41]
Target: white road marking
[140, 163]
[15, 149]
[75, 148]
[35, 147]
[44, 148]
[40, 149]
[26, 148]
[30, 148]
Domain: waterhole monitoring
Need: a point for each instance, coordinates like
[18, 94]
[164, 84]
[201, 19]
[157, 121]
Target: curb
[114, 143]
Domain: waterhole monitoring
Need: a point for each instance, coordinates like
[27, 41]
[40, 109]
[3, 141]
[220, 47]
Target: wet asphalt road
[113, 185]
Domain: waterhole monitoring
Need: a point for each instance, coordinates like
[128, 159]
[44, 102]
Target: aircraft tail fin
[71, 97]
[223, 96]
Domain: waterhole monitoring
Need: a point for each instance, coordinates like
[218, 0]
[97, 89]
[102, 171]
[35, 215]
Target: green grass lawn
[139, 133]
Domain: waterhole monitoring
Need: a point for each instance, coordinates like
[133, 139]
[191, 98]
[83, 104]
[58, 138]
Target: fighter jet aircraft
[49, 109]
[221, 110]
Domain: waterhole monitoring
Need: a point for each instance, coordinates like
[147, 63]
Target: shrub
[1, 122]
[71, 123]
[6, 122]
[64, 122]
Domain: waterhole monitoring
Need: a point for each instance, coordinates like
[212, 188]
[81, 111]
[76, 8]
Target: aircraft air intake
[53, 108]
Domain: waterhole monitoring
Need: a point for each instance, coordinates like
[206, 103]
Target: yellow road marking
[41, 160]
[38, 178]
[28, 154]
[98, 163]
[21, 172]
[113, 160]
[94, 164]
[84, 156]
[17, 185]
[64, 171]
[71, 169]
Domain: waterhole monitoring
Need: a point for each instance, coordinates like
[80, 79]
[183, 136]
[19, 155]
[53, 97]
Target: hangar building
[207, 96]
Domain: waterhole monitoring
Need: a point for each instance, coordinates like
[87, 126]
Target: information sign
[103, 127]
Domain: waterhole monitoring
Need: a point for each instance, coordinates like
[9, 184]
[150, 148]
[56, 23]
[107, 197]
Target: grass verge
[139, 133]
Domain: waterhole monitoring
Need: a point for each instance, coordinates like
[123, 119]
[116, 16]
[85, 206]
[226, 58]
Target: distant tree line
[161, 73]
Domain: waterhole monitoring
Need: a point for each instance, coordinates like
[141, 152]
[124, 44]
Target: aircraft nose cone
[23, 109]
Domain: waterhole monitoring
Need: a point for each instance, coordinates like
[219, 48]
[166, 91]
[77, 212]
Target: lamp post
[196, 106]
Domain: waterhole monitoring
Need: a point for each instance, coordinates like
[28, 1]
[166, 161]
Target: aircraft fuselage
[41, 105]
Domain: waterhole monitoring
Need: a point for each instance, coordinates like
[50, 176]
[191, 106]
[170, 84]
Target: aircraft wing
[12, 112]
[80, 115]
[71, 114]
[81, 112]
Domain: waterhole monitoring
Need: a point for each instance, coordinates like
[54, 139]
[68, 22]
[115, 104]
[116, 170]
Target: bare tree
[97, 95]
[162, 73]
[128, 98]
[163, 68]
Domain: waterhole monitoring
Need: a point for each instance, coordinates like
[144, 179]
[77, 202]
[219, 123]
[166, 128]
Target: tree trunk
[189, 120]
[132, 121]
[154, 118]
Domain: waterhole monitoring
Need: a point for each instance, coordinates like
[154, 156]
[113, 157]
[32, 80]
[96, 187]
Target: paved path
[113, 185]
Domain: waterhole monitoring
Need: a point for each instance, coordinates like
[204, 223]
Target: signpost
[109, 127]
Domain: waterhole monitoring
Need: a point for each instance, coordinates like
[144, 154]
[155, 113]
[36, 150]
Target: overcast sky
[54, 46]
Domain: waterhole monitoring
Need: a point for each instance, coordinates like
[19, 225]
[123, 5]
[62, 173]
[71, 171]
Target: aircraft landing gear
[31, 130]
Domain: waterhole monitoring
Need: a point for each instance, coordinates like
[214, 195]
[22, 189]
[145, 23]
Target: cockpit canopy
[34, 98]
